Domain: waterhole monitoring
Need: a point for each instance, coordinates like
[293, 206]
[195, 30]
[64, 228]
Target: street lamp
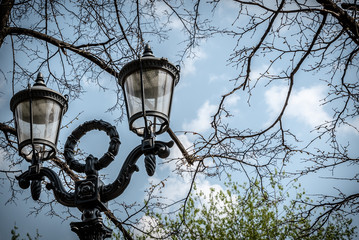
[38, 111]
[148, 85]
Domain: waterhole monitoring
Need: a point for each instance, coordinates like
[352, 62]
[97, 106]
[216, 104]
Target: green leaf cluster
[247, 212]
[16, 236]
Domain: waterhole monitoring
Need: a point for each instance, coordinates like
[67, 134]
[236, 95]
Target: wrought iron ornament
[91, 195]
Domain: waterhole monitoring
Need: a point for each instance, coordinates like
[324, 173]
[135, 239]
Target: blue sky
[204, 79]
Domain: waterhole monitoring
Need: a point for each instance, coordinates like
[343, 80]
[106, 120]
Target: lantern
[148, 85]
[38, 111]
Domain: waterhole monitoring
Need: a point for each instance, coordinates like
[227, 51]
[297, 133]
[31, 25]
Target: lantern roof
[148, 62]
[38, 90]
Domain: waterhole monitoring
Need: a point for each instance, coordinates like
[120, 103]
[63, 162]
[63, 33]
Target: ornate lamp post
[148, 85]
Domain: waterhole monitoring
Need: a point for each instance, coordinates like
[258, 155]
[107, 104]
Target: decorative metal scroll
[79, 132]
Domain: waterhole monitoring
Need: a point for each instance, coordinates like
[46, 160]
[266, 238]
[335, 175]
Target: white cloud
[189, 63]
[274, 98]
[219, 78]
[176, 188]
[176, 153]
[4, 96]
[3, 164]
[206, 187]
[161, 10]
[259, 71]
[203, 120]
[304, 105]
[352, 127]
[232, 100]
[146, 224]
[229, 5]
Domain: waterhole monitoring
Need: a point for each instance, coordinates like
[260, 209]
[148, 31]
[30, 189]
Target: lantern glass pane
[46, 120]
[158, 85]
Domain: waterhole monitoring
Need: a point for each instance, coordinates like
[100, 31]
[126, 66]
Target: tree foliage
[242, 212]
[16, 236]
[296, 39]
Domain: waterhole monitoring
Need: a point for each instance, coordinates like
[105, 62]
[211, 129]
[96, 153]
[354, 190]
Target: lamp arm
[115, 189]
[61, 195]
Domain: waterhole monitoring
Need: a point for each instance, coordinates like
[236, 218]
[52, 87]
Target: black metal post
[91, 227]
[87, 199]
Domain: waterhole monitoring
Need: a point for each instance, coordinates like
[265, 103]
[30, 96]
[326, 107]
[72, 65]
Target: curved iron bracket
[115, 189]
[149, 147]
[60, 193]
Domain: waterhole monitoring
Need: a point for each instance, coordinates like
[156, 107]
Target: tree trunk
[5, 10]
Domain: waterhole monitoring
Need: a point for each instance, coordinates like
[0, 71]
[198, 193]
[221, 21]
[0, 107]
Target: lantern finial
[40, 80]
[147, 52]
